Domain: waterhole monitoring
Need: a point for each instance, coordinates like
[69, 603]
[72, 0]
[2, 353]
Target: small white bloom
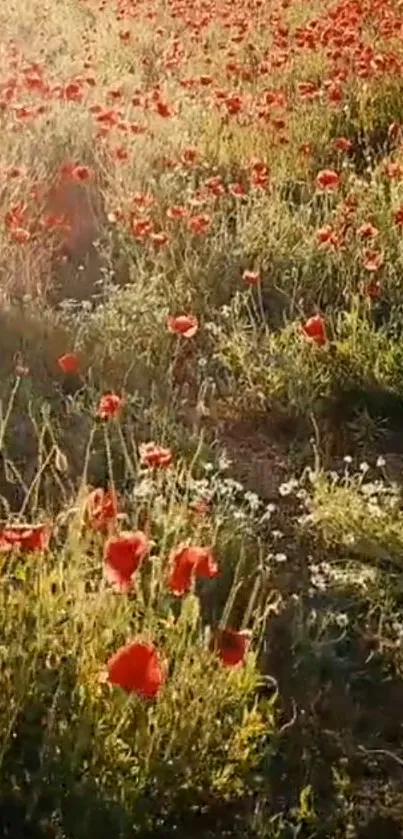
[224, 463]
[253, 500]
[288, 487]
[341, 619]
[269, 509]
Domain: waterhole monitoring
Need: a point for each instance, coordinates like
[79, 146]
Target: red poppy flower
[72, 92]
[15, 216]
[398, 216]
[372, 260]
[69, 363]
[164, 110]
[259, 175]
[215, 186]
[81, 173]
[159, 239]
[334, 94]
[189, 155]
[373, 290]
[137, 668]
[237, 190]
[177, 212]
[20, 235]
[187, 563]
[251, 278]
[315, 329]
[308, 90]
[109, 406]
[367, 231]
[123, 555]
[185, 325]
[342, 144]
[26, 538]
[120, 153]
[326, 236]
[101, 510]
[231, 646]
[327, 179]
[394, 171]
[141, 227]
[156, 457]
[199, 224]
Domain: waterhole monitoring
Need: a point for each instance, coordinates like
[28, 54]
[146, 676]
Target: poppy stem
[251, 602]
[236, 586]
[36, 481]
[109, 458]
[10, 406]
[260, 301]
[125, 450]
[87, 457]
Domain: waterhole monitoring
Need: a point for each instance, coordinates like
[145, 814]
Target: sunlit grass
[238, 169]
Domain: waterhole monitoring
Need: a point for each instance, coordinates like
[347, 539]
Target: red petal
[137, 669]
[101, 509]
[181, 576]
[231, 646]
[26, 538]
[69, 363]
[188, 562]
[123, 556]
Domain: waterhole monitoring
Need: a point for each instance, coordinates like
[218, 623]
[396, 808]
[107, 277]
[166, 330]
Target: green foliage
[62, 728]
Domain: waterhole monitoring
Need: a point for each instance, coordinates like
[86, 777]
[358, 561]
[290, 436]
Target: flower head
[342, 144]
[188, 563]
[123, 556]
[109, 406]
[231, 646]
[315, 330]
[81, 173]
[327, 179]
[25, 538]
[367, 230]
[101, 509]
[398, 217]
[69, 363]
[154, 456]
[137, 668]
[251, 278]
[372, 260]
[185, 325]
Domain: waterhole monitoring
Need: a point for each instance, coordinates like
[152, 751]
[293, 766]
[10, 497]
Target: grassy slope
[151, 154]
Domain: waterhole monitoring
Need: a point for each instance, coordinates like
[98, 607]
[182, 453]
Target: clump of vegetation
[201, 255]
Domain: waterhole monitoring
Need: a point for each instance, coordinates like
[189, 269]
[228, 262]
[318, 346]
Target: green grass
[154, 162]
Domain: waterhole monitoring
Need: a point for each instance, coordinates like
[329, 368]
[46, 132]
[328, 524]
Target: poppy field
[201, 419]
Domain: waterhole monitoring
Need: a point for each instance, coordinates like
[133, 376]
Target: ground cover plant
[201, 393]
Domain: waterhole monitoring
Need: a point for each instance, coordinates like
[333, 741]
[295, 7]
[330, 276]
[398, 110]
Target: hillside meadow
[201, 419]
